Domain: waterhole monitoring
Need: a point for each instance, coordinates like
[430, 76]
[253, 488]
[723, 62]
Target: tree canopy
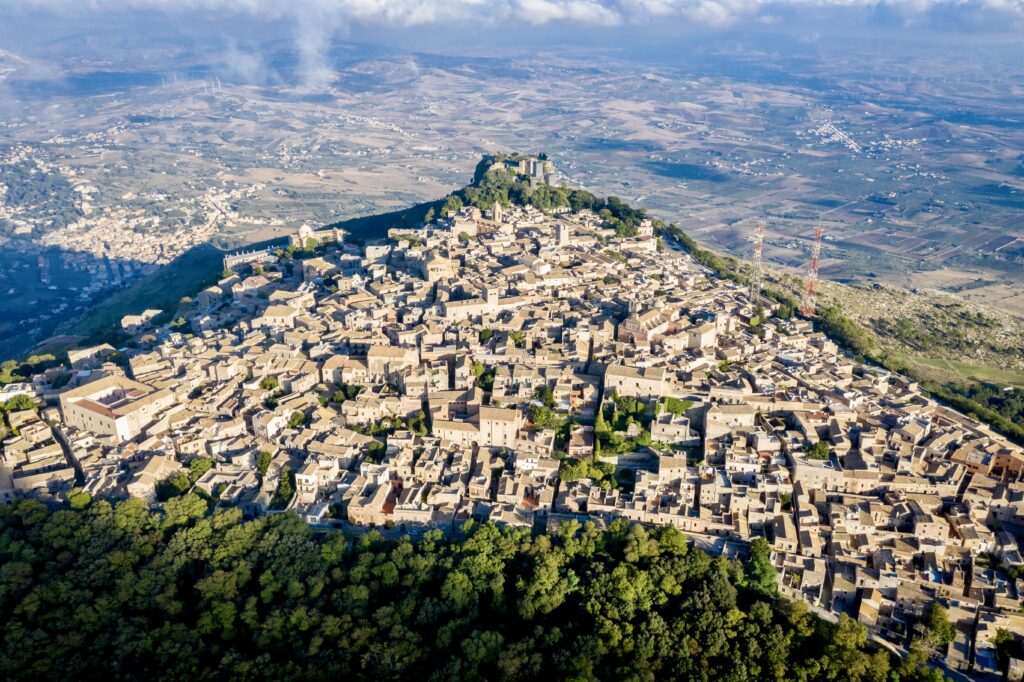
[120, 592]
[818, 450]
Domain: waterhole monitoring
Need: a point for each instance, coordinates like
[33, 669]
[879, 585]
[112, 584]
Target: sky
[949, 14]
[240, 29]
[713, 13]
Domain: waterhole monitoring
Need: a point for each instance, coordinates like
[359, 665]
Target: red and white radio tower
[755, 276]
[810, 301]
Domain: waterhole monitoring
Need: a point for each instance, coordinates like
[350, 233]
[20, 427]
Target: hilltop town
[529, 368]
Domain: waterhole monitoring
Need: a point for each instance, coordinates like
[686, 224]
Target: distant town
[530, 368]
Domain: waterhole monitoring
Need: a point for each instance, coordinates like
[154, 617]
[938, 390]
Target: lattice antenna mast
[810, 302]
[755, 276]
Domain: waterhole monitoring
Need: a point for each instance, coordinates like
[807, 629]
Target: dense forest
[1007, 402]
[120, 592]
[1003, 410]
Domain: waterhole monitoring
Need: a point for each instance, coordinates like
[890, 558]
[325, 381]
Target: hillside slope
[963, 353]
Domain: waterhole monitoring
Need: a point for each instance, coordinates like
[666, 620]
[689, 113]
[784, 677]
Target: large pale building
[490, 427]
[136, 323]
[115, 406]
[635, 382]
[499, 426]
[435, 268]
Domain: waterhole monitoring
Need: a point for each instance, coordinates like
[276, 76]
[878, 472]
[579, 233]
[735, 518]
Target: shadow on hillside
[80, 298]
[42, 288]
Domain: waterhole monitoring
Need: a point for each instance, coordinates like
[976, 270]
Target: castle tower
[562, 235]
[492, 296]
[497, 212]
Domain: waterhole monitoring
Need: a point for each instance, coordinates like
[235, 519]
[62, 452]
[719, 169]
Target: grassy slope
[945, 370]
[941, 336]
[954, 349]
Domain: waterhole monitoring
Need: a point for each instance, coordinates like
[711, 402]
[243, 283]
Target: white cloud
[533, 12]
[244, 66]
[315, 23]
[580, 11]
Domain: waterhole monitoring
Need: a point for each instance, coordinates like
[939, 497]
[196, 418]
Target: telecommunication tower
[810, 301]
[755, 276]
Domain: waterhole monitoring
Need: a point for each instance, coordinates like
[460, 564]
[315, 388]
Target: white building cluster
[532, 369]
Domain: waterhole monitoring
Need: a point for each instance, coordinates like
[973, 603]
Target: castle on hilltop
[539, 169]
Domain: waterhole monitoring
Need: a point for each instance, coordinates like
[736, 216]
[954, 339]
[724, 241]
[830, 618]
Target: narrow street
[69, 455]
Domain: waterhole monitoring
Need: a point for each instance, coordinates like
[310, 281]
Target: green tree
[173, 486]
[543, 417]
[845, 655]
[263, 462]
[9, 372]
[936, 622]
[545, 395]
[915, 668]
[418, 423]
[180, 511]
[345, 392]
[486, 379]
[1006, 645]
[197, 467]
[671, 541]
[18, 403]
[760, 570]
[375, 451]
[79, 499]
[41, 361]
[818, 450]
[546, 587]
[285, 489]
[451, 204]
[676, 406]
[186, 592]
